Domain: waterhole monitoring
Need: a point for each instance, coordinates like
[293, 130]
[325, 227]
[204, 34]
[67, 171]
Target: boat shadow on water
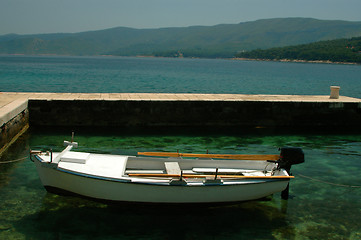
[71, 217]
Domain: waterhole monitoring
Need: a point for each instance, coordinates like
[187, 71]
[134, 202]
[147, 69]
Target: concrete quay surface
[8, 97]
[18, 110]
[12, 103]
[181, 109]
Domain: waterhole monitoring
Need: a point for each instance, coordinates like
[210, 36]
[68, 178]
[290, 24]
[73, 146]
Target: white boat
[171, 178]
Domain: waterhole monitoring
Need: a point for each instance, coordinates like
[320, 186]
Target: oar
[205, 176]
[256, 157]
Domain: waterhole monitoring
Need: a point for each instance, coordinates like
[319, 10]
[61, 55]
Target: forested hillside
[224, 40]
[341, 50]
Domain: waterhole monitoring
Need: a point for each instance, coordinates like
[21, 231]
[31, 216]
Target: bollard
[335, 92]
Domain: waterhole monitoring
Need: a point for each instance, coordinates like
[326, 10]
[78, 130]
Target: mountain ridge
[222, 40]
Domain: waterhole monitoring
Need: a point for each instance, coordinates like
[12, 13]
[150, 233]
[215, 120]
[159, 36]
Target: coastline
[295, 61]
[234, 58]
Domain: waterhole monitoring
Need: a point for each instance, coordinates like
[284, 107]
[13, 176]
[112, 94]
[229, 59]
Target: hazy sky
[53, 16]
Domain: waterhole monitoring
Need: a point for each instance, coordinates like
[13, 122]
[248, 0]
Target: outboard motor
[288, 157]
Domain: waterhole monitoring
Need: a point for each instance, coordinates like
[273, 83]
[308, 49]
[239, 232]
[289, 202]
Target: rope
[330, 183]
[16, 160]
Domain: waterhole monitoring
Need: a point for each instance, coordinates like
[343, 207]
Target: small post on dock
[335, 92]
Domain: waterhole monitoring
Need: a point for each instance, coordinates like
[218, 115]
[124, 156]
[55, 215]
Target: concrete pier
[170, 109]
[14, 120]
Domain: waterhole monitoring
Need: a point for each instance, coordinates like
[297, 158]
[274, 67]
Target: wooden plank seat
[172, 168]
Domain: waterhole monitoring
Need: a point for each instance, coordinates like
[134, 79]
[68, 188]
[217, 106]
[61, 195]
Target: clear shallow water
[125, 74]
[315, 210]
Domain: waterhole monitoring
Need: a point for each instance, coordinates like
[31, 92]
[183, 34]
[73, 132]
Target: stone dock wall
[19, 110]
[191, 113]
[14, 120]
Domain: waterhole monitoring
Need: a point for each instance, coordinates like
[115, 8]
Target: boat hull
[126, 191]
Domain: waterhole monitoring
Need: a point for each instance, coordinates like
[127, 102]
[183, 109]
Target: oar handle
[257, 157]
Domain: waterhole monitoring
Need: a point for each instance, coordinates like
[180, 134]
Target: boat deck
[151, 169]
[102, 165]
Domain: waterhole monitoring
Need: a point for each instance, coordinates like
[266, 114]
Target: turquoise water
[324, 207]
[126, 74]
[315, 210]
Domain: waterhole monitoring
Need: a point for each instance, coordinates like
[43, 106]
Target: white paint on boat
[104, 176]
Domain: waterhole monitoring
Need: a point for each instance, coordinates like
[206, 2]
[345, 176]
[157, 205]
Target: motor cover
[290, 156]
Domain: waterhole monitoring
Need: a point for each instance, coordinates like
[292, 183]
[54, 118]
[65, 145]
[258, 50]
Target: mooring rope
[330, 183]
[16, 160]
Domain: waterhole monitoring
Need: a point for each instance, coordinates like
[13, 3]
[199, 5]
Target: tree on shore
[341, 50]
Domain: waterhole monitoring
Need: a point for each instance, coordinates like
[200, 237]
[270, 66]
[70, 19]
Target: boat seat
[172, 168]
[75, 157]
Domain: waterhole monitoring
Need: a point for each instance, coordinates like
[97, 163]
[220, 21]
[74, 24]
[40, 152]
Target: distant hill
[223, 40]
[341, 50]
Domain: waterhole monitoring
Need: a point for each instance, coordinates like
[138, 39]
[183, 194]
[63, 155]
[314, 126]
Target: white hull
[114, 185]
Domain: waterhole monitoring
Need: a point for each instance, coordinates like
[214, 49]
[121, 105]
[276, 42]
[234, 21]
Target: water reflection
[62, 217]
[17, 152]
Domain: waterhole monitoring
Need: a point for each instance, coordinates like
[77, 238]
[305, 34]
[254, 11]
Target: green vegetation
[219, 41]
[341, 50]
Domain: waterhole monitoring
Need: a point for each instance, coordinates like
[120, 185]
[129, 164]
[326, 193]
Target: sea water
[168, 75]
[325, 196]
[324, 203]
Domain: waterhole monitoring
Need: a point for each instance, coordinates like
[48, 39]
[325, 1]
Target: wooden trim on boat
[205, 176]
[256, 157]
